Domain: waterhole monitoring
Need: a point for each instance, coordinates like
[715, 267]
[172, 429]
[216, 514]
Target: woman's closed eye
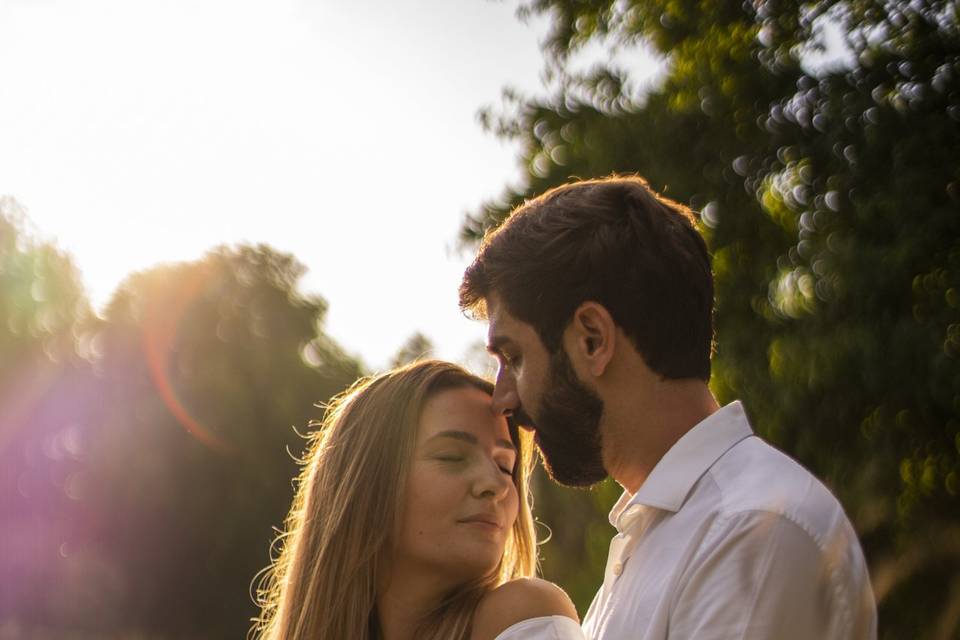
[450, 457]
[505, 463]
[505, 467]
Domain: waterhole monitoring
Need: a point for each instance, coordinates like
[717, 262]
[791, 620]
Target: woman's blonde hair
[347, 507]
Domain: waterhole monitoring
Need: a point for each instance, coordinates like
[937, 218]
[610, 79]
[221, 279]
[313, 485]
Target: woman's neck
[403, 602]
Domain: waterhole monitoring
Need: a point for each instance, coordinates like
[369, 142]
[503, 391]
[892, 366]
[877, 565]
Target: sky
[139, 132]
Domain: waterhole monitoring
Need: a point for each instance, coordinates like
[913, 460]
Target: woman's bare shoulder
[519, 600]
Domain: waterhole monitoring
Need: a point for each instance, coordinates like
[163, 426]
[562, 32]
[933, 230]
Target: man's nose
[505, 397]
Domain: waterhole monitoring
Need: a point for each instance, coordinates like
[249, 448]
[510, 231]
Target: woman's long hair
[347, 508]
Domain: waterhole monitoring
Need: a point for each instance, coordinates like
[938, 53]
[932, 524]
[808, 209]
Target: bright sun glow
[139, 132]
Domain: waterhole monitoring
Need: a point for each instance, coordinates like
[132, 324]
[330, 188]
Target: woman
[411, 520]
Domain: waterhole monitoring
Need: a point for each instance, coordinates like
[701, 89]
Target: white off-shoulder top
[545, 628]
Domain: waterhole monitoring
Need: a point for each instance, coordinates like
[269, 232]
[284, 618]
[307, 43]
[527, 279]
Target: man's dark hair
[613, 241]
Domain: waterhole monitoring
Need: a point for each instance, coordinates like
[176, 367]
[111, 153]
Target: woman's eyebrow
[469, 437]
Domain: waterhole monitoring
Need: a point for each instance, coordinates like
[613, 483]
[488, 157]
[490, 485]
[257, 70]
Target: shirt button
[617, 568]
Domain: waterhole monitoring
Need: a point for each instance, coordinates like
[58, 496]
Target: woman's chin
[468, 568]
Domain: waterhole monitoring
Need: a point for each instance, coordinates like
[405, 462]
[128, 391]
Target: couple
[412, 516]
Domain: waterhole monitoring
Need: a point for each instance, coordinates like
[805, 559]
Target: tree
[829, 198]
[209, 369]
[43, 383]
[417, 347]
[141, 486]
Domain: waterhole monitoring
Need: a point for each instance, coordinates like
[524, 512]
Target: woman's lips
[483, 521]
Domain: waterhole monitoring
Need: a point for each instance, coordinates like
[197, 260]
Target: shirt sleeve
[760, 575]
[545, 628]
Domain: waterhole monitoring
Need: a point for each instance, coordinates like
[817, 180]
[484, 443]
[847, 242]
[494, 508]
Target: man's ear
[592, 336]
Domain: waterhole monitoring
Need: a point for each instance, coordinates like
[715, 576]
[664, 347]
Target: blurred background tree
[208, 369]
[828, 186]
[43, 310]
[146, 456]
[417, 347]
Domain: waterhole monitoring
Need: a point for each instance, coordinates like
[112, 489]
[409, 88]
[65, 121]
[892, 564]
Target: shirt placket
[632, 524]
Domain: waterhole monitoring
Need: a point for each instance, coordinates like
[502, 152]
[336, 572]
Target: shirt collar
[688, 459]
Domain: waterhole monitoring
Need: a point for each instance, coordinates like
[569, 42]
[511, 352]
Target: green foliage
[574, 526]
[141, 485]
[209, 369]
[43, 311]
[830, 200]
[42, 303]
[417, 347]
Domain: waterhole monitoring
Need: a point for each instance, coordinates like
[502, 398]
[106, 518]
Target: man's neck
[641, 424]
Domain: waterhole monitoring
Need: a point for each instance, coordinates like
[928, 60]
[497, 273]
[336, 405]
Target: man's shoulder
[755, 477]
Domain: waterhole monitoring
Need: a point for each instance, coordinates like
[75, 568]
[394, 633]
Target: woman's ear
[591, 337]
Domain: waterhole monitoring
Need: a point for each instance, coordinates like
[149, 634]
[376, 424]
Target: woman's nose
[492, 482]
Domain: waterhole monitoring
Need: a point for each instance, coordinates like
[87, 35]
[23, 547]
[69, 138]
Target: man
[599, 298]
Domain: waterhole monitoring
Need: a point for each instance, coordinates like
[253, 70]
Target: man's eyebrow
[470, 438]
[496, 343]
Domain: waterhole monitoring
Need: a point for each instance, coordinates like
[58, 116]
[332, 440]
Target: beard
[568, 427]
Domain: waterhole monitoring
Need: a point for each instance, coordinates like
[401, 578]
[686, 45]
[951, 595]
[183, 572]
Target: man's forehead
[498, 320]
[501, 326]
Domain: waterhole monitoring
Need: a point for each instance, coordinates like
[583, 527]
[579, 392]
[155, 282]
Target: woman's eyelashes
[459, 459]
[506, 464]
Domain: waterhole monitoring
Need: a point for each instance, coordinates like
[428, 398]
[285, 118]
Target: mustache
[522, 418]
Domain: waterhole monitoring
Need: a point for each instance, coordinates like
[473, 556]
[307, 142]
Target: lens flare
[22, 398]
[161, 325]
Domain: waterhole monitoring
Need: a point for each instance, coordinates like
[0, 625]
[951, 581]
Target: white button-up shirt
[546, 628]
[730, 538]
